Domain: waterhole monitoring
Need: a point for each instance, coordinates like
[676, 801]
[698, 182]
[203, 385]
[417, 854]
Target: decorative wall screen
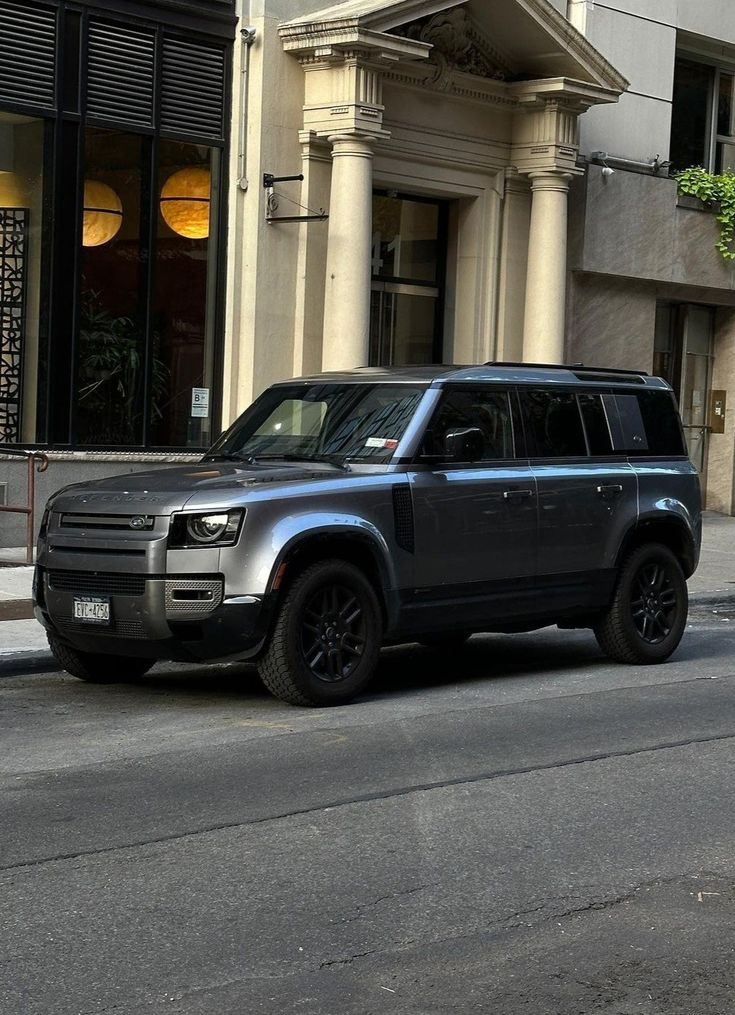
[13, 241]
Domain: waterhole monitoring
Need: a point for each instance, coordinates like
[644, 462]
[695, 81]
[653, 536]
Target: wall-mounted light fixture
[185, 201]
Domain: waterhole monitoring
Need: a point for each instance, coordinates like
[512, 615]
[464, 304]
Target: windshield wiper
[230, 456]
[336, 460]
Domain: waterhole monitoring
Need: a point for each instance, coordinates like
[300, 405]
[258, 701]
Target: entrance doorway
[683, 355]
[408, 272]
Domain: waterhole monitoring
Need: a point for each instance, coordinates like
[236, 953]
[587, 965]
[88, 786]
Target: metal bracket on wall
[269, 182]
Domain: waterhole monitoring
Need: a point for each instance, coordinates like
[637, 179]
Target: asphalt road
[520, 827]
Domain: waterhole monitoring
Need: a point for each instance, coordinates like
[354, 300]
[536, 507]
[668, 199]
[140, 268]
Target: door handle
[613, 490]
[517, 494]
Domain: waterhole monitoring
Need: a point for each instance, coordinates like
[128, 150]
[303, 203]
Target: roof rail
[576, 367]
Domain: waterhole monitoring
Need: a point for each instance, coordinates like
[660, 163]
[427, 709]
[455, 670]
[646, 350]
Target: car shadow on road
[412, 667]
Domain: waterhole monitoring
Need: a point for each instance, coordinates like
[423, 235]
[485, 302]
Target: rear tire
[97, 668]
[327, 636]
[648, 614]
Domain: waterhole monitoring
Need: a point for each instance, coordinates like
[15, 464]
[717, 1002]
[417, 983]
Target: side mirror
[465, 445]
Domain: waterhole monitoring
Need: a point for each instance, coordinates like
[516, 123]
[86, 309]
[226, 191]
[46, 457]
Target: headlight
[214, 528]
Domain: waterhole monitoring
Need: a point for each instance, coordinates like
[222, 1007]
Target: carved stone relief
[457, 46]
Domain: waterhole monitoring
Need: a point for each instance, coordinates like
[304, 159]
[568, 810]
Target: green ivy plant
[718, 193]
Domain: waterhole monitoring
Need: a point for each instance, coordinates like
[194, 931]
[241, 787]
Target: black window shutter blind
[192, 88]
[27, 53]
[121, 73]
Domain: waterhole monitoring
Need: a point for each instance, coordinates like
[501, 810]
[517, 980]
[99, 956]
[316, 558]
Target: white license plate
[92, 609]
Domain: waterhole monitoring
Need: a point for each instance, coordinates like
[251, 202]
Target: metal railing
[37, 462]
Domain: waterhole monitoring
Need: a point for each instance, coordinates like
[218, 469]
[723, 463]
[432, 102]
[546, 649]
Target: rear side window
[596, 423]
[649, 424]
[553, 425]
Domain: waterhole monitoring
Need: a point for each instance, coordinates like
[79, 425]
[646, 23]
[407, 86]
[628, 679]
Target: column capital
[356, 145]
[546, 179]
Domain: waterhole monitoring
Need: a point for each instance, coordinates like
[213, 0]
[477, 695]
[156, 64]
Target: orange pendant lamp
[185, 202]
[103, 214]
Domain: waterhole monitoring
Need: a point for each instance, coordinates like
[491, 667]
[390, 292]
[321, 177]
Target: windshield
[323, 422]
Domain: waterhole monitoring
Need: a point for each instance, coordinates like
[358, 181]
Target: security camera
[607, 171]
[248, 35]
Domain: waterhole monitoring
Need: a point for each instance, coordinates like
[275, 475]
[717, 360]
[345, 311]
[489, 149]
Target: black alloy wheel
[333, 632]
[326, 638]
[648, 613]
[654, 603]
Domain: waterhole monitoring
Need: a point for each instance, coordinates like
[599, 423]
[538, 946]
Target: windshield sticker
[386, 443]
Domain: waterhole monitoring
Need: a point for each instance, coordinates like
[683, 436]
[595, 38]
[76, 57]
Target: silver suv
[345, 511]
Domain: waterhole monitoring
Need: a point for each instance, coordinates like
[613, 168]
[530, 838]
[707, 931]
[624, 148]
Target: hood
[164, 490]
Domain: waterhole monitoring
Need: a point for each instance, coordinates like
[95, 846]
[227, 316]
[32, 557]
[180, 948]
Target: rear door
[476, 523]
[587, 494]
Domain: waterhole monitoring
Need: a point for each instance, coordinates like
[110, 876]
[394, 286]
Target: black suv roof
[515, 373]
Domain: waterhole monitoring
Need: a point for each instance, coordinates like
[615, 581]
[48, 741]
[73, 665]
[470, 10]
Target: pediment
[457, 44]
[502, 39]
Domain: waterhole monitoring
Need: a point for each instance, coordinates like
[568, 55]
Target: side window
[650, 424]
[596, 424]
[633, 436]
[553, 425]
[488, 411]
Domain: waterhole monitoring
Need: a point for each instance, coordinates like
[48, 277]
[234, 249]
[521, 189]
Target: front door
[408, 270]
[696, 373]
[683, 356]
[475, 521]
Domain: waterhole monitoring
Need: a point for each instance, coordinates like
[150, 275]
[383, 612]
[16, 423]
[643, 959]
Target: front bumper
[154, 616]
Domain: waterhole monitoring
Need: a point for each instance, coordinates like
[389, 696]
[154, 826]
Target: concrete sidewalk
[23, 640]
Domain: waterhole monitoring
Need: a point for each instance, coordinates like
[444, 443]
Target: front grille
[117, 629]
[92, 584]
[115, 522]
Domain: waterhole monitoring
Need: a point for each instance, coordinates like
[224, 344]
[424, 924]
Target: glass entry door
[696, 375]
[402, 324]
[408, 268]
[683, 353]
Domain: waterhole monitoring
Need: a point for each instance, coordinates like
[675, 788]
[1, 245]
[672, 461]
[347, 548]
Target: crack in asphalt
[388, 794]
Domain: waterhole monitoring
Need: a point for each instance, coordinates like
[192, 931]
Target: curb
[16, 664]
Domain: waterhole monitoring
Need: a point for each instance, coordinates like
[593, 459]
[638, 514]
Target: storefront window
[184, 295]
[21, 212]
[111, 346]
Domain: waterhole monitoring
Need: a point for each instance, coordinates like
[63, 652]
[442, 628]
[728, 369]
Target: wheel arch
[349, 543]
[670, 530]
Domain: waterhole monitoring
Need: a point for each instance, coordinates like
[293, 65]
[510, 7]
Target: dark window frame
[63, 199]
[712, 139]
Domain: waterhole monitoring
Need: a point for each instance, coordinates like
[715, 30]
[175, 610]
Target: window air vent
[27, 52]
[121, 74]
[192, 88]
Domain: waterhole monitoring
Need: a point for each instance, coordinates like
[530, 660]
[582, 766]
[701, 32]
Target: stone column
[543, 327]
[347, 287]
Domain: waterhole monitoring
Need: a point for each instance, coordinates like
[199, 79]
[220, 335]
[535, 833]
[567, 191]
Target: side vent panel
[403, 516]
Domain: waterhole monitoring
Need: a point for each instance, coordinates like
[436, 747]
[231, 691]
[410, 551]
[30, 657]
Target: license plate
[92, 609]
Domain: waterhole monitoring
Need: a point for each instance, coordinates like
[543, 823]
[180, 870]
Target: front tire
[97, 668]
[648, 614]
[327, 636]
